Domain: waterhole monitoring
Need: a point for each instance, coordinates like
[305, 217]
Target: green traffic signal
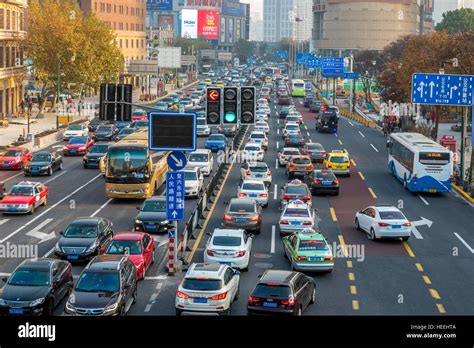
[230, 117]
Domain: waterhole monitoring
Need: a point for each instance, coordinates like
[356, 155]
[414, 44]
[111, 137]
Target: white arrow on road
[432, 84]
[43, 237]
[422, 85]
[451, 91]
[422, 222]
[179, 163]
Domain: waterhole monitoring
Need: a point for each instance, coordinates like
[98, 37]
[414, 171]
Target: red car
[139, 247]
[284, 99]
[78, 146]
[24, 197]
[14, 158]
[295, 190]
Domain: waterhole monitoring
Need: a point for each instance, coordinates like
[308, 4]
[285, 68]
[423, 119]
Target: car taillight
[383, 224]
[317, 182]
[219, 297]
[301, 258]
[253, 299]
[407, 224]
[284, 222]
[269, 173]
[331, 258]
[210, 252]
[182, 295]
[309, 152]
[306, 198]
[228, 217]
[323, 152]
[254, 218]
[247, 172]
[311, 167]
[263, 195]
[335, 182]
[302, 141]
[241, 194]
[307, 223]
[241, 253]
[289, 302]
[329, 165]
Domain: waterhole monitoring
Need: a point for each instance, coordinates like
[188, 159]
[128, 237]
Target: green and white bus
[297, 88]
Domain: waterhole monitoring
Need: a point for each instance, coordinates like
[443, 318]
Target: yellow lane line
[355, 305]
[353, 290]
[440, 308]
[372, 193]
[427, 279]
[333, 214]
[344, 248]
[351, 276]
[340, 142]
[435, 294]
[408, 249]
[353, 163]
[349, 264]
[361, 176]
[419, 267]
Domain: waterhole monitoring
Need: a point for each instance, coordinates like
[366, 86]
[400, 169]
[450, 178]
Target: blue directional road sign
[177, 160]
[441, 89]
[332, 62]
[333, 72]
[282, 54]
[171, 233]
[351, 76]
[175, 194]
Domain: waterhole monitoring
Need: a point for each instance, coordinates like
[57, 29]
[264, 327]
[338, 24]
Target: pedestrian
[433, 117]
[22, 106]
[21, 138]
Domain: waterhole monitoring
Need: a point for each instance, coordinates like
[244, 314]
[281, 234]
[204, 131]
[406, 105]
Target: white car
[265, 109]
[261, 115]
[256, 171]
[290, 128]
[296, 216]
[254, 189]
[202, 129]
[229, 247]
[196, 98]
[285, 154]
[262, 102]
[259, 137]
[383, 222]
[296, 114]
[207, 288]
[201, 159]
[193, 181]
[252, 152]
[262, 126]
[76, 130]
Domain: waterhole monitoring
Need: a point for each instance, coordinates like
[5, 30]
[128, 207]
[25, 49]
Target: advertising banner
[230, 31]
[189, 23]
[159, 5]
[165, 21]
[233, 8]
[208, 24]
[223, 27]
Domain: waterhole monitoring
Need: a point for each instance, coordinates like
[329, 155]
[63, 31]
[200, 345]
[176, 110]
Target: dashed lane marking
[435, 294]
[464, 242]
[343, 247]
[440, 308]
[353, 290]
[361, 134]
[419, 267]
[349, 264]
[372, 193]
[374, 148]
[424, 200]
[408, 249]
[351, 276]
[361, 176]
[272, 243]
[333, 214]
[355, 305]
[427, 279]
[55, 177]
[353, 163]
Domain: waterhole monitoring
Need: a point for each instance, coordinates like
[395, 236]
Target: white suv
[201, 159]
[208, 288]
[194, 181]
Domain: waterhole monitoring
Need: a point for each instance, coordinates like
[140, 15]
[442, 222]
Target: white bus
[421, 164]
[298, 88]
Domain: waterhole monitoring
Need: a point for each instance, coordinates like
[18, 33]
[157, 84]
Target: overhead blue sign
[333, 72]
[175, 194]
[300, 57]
[177, 160]
[313, 63]
[282, 54]
[159, 5]
[332, 62]
[351, 76]
[441, 89]
[233, 8]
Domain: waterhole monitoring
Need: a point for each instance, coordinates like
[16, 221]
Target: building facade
[127, 18]
[12, 69]
[351, 25]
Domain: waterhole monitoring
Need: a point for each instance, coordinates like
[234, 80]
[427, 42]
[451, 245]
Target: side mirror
[4, 279]
[138, 208]
[61, 233]
[102, 250]
[208, 234]
[251, 235]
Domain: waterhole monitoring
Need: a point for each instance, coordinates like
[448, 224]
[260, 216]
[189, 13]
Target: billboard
[159, 5]
[230, 30]
[223, 27]
[165, 21]
[189, 23]
[200, 3]
[233, 8]
[169, 57]
[208, 24]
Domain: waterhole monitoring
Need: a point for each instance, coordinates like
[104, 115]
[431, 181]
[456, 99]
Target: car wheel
[153, 257]
[143, 273]
[48, 308]
[357, 224]
[32, 210]
[371, 235]
[299, 311]
[236, 297]
[85, 166]
[60, 166]
[226, 312]
[178, 312]
[313, 296]
[50, 171]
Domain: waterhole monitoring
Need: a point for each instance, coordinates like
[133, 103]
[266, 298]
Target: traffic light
[107, 101]
[247, 105]
[231, 105]
[124, 102]
[213, 103]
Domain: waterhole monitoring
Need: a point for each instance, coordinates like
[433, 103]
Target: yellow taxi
[220, 84]
[208, 81]
[339, 162]
[299, 166]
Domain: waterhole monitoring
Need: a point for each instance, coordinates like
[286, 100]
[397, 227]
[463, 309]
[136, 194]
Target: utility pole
[351, 81]
[463, 144]
[59, 91]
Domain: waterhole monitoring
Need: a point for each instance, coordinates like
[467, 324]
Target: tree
[367, 62]
[61, 39]
[243, 49]
[187, 45]
[457, 21]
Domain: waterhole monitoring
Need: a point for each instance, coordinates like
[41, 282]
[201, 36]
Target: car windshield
[338, 159]
[313, 146]
[292, 127]
[104, 129]
[21, 191]
[296, 212]
[202, 284]
[242, 208]
[227, 241]
[291, 153]
[215, 137]
[78, 141]
[266, 290]
[391, 215]
[301, 161]
[121, 247]
[198, 157]
[30, 277]
[154, 206]
[259, 169]
[11, 153]
[253, 187]
[190, 176]
[99, 148]
[292, 119]
[41, 157]
[306, 245]
[74, 128]
[81, 231]
[296, 190]
[325, 175]
[201, 122]
[98, 282]
[128, 162]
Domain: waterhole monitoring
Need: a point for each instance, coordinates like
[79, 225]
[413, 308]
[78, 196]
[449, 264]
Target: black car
[322, 181]
[84, 239]
[43, 163]
[284, 111]
[152, 216]
[106, 132]
[282, 292]
[308, 100]
[327, 122]
[106, 287]
[124, 133]
[315, 106]
[36, 287]
[228, 130]
[96, 122]
[97, 151]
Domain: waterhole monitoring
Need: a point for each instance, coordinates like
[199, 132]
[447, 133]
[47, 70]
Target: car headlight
[165, 222]
[24, 206]
[57, 247]
[137, 221]
[85, 158]
[2, 302]
[112, 307]
[45, 168]
[64, 147]
[82, 148]
[36, 302]
[92, 247]
[3, 206]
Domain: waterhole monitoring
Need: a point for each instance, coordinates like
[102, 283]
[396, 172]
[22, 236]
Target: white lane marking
[278, 144]
[416, 233]
[374, 148]
[153, 297]
[276, 163]
[464, 242]
[301, 102]
[335, 134]
[305, 127]
[35, 232]
[12, 177]
[275, 193]
[50, 208]
[361, 134]
[272, 244]
[3, 274]
[308, 134]
[55, 177]
[4, 221]
[352, 124]
[424, 200]
[147, 308]
[278, 131]
[102, 207]
[159, 286]
[49, 253]
[278, 121]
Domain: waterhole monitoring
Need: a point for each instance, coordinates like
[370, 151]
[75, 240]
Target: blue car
[294, 140]
[163, 106]
[122, 124]
[216, 142]
[175, 97]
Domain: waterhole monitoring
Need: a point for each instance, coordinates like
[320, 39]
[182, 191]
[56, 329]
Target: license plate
[226, 263]
[325, 126]
[151, 227]
[258, 175]
[15, 311]
[200, 300]
[327, 183]
[270, 304]
[73, 257]
[72, 151]
[253, 195]
[396, 226]
[315, 258]
[339, 167]
[34, 170]
[241, 219]
[296, 223]
[12, 209]
[432, 190]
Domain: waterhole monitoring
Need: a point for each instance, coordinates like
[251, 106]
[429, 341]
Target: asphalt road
[431, 274]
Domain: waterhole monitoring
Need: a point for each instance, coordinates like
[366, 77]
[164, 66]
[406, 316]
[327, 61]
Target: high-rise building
[287, 19]
[128, 19]
[443, 6]
[12, 70]
[351, 25]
